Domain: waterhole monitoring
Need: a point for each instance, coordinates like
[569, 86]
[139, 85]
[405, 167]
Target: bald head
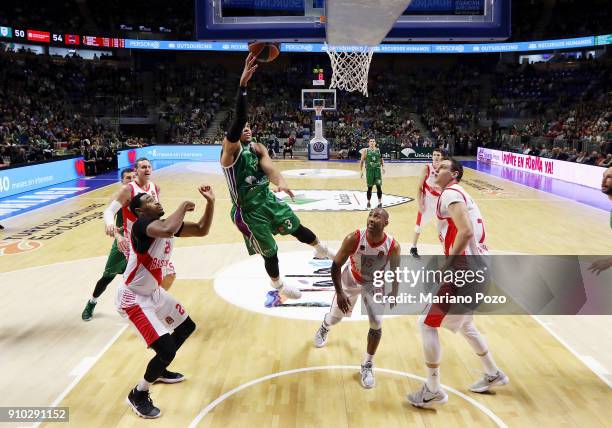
[606, 183]
[377, 221]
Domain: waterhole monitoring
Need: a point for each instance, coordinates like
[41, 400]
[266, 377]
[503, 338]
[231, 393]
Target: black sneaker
[414, 253]
[142, 405]
[379, 205]
[170, 377]
[88, 311]
[369, 205]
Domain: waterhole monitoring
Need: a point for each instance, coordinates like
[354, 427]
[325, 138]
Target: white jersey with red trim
[128, 217]
[430, 186]
[447, 231]
[144, 271]
[369, 257]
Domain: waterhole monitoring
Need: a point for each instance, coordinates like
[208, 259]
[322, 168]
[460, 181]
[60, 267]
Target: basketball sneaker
[426, 399]
[289, 291]
[142, 405]
[369, 205]
[414, 253]
[367, 375]
[170, 377]
[320, 338]
[379, 205]
[488, 382]
[87, 314]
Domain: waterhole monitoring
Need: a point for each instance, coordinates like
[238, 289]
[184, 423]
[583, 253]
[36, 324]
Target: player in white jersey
[159, 319]
[142, 184]
[462, 233]
[427, 197]
[368, 250]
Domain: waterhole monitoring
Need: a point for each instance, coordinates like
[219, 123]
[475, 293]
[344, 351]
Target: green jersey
[247, 182]
[373, 159]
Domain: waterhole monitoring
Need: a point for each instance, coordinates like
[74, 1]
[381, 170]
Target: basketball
[265, 51]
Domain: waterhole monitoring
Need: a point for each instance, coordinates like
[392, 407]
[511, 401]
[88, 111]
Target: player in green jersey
[256, 212]
[116, 261]
[374, 163]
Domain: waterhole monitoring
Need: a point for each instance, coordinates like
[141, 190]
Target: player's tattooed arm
[346, 249]
[394, 262]
[273, 174]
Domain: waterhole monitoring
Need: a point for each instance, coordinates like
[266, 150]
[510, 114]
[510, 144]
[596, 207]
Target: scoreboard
[71, 40]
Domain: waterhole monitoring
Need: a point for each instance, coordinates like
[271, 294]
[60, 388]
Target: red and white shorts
[353, 290]
[152, 315]
[430, 202]
[436, 315]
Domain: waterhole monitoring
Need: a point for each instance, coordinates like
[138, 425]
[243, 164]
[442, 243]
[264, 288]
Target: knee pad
[305, 235]
[186, 328]
[271, 264]
[165, 348]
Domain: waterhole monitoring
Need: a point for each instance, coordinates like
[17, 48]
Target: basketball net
[318, 110]
[350, 67]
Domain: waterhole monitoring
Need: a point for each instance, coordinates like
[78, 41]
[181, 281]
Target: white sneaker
[488, 382]
[325, 253]
[320, 338]
[426, 399]
[289, 291]
[367, 375]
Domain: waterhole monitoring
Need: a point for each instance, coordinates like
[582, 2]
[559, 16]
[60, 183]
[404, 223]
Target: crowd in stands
[187, 99]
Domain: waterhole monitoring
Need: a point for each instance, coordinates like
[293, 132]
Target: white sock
[143, 385]
[277, 283]
[93, 300]
[367, 357]
[433, 379]
[320, 248]
[490, 367]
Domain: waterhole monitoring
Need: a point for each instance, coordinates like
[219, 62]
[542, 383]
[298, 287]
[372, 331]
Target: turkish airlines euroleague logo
[79, 166]
[132, 156]
[8, 248]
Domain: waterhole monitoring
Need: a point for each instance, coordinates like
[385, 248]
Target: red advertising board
[103, 42]
[39, 36]
[72, 39]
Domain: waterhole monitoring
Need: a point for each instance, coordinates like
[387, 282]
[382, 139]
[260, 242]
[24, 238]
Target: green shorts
[116, 262]
[260, 223]
[373, 177]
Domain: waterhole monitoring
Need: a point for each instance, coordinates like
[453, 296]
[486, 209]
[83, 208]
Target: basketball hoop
[350, 67]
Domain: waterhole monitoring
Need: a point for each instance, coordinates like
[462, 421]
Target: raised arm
[202, 227]
[231, 142]
[346, 249]
[170, 226]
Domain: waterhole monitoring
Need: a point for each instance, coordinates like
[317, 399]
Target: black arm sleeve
[240, 116]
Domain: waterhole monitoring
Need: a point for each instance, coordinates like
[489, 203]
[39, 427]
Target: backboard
[312, 98]
[305, 20]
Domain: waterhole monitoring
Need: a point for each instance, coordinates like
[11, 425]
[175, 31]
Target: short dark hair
[457, 167]
[136, 202]
[126, 171]
[439, 150]
[140, 160]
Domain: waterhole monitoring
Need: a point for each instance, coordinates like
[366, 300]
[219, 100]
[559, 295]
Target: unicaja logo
[318, 147]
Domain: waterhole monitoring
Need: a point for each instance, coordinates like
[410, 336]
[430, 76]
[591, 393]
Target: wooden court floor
[245, 368]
